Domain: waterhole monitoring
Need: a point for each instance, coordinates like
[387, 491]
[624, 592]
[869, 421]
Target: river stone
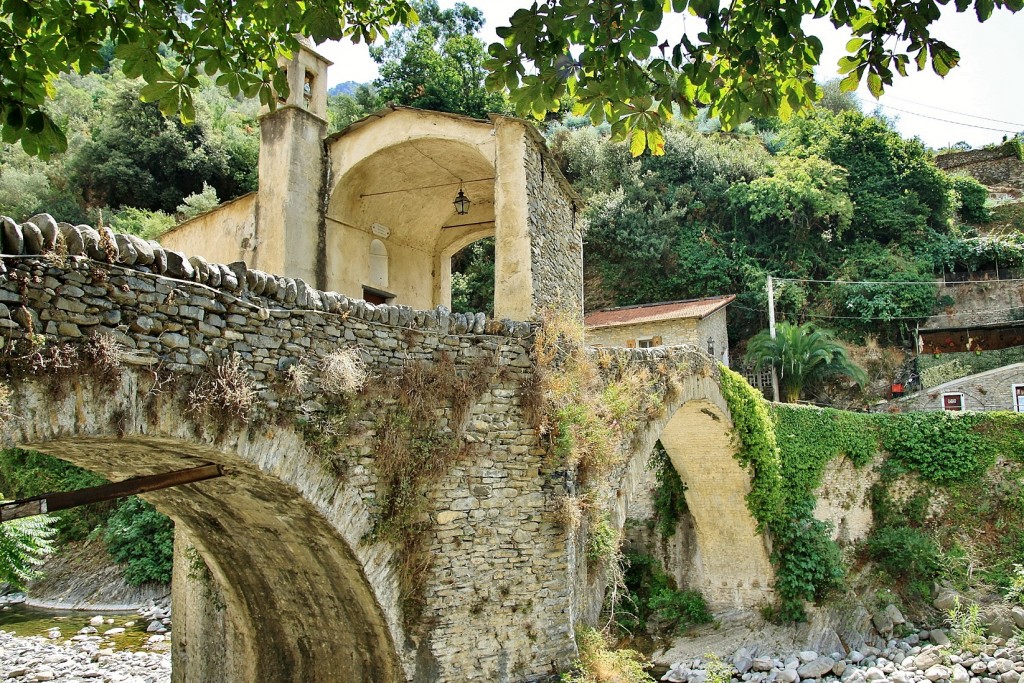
[928, 658]
[894, 614]
[960, 674]
[816, 668]
[874, 674]
[945, 600]
[998, 622]
[788, 676]
[937, 673]
[901, 677]
[883, 624]
[939, 637]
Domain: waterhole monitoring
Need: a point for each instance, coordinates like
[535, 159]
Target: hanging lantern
[711, 346]
[461, 203]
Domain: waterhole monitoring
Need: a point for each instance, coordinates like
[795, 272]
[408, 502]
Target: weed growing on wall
[941, 447]
[589, 402]
[419, 416]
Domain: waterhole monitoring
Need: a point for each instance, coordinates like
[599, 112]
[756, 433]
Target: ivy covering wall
[787, 449]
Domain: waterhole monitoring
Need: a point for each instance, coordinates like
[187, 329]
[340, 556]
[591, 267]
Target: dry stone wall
[556, 232]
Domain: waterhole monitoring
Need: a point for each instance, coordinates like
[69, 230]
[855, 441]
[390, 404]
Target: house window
[953, 402]
[1018, 398]
[645, 343]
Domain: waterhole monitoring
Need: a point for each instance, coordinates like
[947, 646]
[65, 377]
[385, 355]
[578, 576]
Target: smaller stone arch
[730, 560]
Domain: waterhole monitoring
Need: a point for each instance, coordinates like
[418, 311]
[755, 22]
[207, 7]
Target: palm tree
[802, 355]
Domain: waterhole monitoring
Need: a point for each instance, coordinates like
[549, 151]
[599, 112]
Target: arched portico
[298, 597]
[394, 177]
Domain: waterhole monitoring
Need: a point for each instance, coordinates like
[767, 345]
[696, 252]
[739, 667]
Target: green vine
[808, 564]
[670, 493]
[787, 449]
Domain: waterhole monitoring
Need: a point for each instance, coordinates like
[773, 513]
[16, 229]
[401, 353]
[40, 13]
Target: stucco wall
[223, 235]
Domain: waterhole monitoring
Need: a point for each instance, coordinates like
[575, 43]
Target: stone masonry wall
[556, 232]
[999, 166]
[497, 597]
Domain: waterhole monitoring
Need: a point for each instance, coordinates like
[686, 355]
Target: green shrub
[670, 494]
[942, 447]
[599, 663]
[142, 539]
[680, 608]
[904, 553]
[604, 542]
[809, 564]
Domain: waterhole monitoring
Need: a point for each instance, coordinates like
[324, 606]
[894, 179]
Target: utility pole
[771, 332]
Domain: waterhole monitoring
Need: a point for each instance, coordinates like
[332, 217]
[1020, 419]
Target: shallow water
[27, 621]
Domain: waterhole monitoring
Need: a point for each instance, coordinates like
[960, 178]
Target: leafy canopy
[237, 41]
[437, 64]
[751, 58]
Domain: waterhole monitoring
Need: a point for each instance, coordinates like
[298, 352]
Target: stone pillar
[538, 234]
[291, 166]
[205, 643]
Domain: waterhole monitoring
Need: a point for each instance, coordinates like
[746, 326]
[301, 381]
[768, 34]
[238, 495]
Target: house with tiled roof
[698, 322]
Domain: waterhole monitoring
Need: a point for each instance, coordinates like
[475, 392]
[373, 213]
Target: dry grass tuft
[229, 391]
[569, 512]
[342, 372]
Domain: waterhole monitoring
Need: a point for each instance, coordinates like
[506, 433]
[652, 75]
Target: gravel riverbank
[79, 660]
[925, 657]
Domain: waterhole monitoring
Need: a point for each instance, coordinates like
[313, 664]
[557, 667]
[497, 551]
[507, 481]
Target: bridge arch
[730, 564]
[298, 595]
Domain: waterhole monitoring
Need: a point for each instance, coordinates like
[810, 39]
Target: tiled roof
[670, 310]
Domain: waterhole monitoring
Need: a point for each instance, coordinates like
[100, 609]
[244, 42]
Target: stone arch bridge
[402, 532]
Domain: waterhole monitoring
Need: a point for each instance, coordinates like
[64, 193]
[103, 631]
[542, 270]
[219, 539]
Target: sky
[978, 102]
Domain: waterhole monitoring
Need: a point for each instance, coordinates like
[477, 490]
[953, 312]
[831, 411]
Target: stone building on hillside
[1000, 168]
[377, 210]
[698, 322]
[1001, 388]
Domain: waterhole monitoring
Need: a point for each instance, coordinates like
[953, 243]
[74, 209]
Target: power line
[951, 111]
[911, 317]
[936, 118]
[930, 283]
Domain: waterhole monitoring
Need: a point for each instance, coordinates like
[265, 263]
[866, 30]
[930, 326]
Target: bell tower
[291, 169]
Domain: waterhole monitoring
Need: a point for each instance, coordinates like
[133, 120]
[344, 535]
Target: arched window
[378, 264]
